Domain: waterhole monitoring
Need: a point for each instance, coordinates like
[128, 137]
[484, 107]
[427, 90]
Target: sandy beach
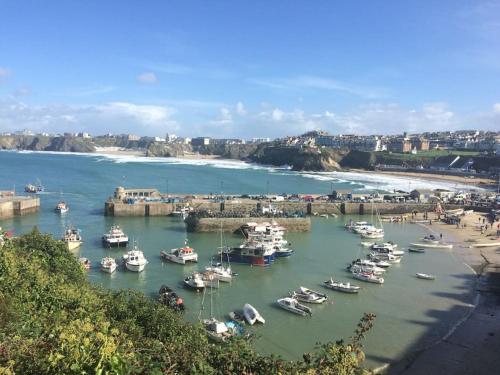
[472, 346]
[119, 151]
[481, 182]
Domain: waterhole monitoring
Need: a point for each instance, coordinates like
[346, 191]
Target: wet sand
[472, 346]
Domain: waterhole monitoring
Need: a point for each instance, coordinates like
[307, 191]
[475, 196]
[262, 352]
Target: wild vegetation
[53, 321]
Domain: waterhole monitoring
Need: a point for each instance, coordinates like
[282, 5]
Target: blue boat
[252, 253]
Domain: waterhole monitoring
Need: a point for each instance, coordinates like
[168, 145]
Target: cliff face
[42, 143]
[167, 149]
[300, 159]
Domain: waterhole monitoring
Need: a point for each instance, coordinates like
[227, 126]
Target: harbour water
[411, 313]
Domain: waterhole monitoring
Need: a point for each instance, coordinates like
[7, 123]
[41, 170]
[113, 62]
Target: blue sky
[249, 68]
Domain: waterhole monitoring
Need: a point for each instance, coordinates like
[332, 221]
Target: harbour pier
[14, 205]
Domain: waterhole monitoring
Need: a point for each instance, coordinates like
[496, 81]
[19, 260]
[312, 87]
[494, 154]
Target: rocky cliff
[42, 143]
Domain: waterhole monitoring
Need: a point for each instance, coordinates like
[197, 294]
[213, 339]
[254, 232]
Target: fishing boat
[252, 315]
[85, 263]
[416, 250]
[62, 207]
[195, 282]
[439, 245]
[368, 277]
[115, 237]
[251, 252]
[292, 305]
[308, 296]
[34, 188]
[72, 238]
[180, 255]
[108, 265]
[167, 297]
[135, 260]
[341, 287]
[425, 276]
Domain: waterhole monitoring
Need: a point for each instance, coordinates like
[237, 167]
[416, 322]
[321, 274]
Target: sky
[247, 69]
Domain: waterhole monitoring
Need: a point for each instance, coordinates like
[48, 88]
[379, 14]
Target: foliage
[53, 321]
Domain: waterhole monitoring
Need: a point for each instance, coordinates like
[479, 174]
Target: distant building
[400, 145]
[200, 141]
[159, 139]
[261, 140]
[228, 141]
[422, 195]
[170, 138]
[132, 137]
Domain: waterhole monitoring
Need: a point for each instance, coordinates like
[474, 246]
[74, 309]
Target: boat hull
[72, 245]
[135, 267]
[114, 244]
[264, 260]
[109, 269]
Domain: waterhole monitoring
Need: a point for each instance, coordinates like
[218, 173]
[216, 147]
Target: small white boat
[62, 207]
[324, 216]
[308, 296]
[135, 260]
[430, 239]
[368, 277]
[195, 281]
[375, 233]
[180, 255]
[425, 276]
[108, 265]
[341, 287]
[210, 279]
[384, 246]
[439, 245]
[367, 244]
[292, 305]
[357, 268]
[252, 315]
[416, 250]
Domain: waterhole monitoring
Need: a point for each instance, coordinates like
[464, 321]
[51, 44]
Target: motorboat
[357, 268]
[62, 208]
[368, 277]
[308, 296]
[341, 287]
[380, 263]
[373, 233]
[108, 265]
[85, 263]
[115, 237]
[384, 246]
[135, 260]
[439, 245]
[425, 276]
[167, 297]
[72, 238]
[180, 255]
[210, 279]
[416, 250]
[371, 263]
[431, 239]
[281, 251]
[386, 257]
[252, 315]
[292, 305]
[355, 224]
[195, 282]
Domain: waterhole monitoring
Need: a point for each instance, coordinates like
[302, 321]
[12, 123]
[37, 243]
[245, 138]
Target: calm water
[411, 313]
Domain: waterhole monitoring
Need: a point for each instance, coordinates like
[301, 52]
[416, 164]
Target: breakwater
[195, 223]
[11, 205]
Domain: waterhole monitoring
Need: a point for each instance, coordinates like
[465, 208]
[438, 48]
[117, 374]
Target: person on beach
[441, 234]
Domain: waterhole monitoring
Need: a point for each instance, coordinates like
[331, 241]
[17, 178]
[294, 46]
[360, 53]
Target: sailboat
[223, 273]
[374, 232]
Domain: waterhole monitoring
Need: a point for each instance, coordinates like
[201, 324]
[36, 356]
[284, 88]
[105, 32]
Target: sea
[411, 313]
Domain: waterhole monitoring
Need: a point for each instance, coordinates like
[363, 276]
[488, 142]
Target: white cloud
[240, 109]
[277, 114]
[496, 107]
[224, 118]
[147, 77]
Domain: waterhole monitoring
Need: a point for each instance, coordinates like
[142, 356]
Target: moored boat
[115, 237]
[252, 315]
[180, 255]
[108, 265]
[308, 296]
[368, 277]
[168, 297]
[135, 260]
[195, 282]
[62, 207]
[292, 305]
[439, 245]
[251, 252]
[341, 287]
[416, 250]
